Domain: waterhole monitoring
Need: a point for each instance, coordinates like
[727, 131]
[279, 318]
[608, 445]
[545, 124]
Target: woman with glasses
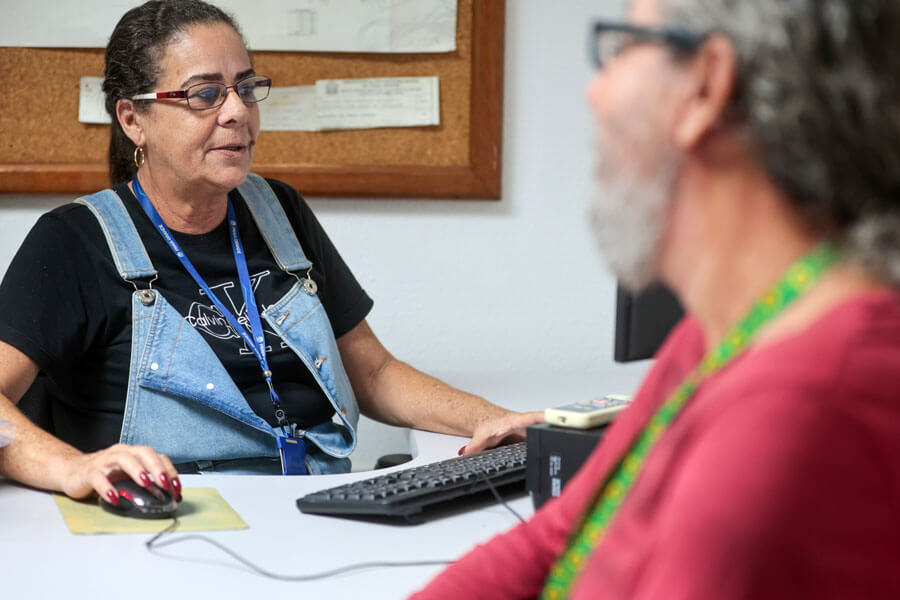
[196, 317]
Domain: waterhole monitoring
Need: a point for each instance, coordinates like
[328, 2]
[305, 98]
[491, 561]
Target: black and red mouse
[141, 502]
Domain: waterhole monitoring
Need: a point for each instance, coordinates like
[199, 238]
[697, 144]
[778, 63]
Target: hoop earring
[139, 157]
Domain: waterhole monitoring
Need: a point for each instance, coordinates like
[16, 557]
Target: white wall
[480, 292]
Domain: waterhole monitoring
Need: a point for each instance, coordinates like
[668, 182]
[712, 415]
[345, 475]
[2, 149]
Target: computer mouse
[141, 502]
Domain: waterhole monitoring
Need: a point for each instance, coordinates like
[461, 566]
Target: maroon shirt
[780, 479]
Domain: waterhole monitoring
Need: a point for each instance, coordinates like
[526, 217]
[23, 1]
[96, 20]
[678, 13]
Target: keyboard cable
[154, 544]
[497, 496]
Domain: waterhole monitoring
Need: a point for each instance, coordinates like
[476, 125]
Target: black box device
[553, 455]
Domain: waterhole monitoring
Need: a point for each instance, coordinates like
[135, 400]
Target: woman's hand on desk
[505, 429]
[96, 472]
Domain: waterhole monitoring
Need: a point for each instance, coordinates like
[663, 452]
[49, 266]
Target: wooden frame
[479, 178]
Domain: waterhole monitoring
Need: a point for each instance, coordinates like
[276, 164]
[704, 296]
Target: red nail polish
[145, 479]
[111, 494]
[461, 450]
[176, 484]
[164, 480]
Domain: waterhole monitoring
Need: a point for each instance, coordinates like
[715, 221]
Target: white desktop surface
[40, 558]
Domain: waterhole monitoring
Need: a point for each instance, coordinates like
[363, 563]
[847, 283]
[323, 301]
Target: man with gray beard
[748, 156]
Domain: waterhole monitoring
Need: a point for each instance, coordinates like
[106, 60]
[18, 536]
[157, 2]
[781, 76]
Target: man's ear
[711, 79]
[128, 118]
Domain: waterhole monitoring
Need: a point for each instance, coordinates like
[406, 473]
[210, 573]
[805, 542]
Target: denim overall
[181, 400]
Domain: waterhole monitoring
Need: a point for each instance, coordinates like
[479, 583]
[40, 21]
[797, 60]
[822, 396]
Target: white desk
[40, 558]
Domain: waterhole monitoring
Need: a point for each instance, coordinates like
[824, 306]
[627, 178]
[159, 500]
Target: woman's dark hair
[135, 48]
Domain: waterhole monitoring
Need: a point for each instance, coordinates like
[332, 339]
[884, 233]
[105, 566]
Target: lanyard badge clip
[292, 449]
[293, 455]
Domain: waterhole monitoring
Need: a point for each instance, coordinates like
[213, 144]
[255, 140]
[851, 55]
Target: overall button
[310, 286]
[147, 297]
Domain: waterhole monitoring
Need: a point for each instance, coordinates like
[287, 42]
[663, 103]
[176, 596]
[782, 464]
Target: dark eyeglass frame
[680, 40]
[261, 81]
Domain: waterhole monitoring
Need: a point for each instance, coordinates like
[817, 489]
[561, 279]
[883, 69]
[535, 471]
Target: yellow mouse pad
[202, 509]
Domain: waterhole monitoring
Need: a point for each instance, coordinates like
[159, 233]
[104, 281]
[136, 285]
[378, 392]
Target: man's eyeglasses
[609, 39]
[209, 94]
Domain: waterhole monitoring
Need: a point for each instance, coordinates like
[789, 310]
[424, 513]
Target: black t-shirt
[63, 304]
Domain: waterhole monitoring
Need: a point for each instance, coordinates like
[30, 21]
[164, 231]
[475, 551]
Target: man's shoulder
[855, 346]
[826, 391]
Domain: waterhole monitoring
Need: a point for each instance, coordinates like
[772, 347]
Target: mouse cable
[153, 544]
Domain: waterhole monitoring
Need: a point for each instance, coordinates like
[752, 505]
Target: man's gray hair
[819, 95]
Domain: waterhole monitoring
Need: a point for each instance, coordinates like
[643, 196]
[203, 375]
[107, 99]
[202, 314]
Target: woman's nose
[233, 108]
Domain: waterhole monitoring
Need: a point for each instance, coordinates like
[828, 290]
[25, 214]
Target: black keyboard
[407, 492]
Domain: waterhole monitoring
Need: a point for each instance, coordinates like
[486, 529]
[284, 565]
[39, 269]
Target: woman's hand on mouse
[96, 471]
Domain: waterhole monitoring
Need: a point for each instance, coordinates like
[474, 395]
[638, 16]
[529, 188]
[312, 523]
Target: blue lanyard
[256, 342]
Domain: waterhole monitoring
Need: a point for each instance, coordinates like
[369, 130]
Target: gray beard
[629, 212]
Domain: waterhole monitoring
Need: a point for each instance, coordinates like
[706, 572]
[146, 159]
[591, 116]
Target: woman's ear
[129, 120]
[711, 80]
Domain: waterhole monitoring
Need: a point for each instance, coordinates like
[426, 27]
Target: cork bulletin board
[45, 149]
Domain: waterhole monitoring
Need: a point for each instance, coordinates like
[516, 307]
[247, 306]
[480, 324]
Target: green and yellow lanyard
[798, 279]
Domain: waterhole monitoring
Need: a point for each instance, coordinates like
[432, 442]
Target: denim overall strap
[131, 260]
[300, 320]
[273, 224]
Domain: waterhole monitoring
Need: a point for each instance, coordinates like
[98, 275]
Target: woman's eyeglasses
[210, 94]
[609, 39]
